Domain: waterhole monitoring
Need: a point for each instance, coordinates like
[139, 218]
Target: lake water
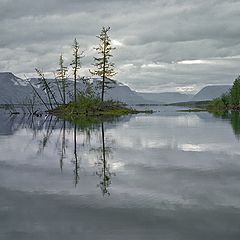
[169, 175]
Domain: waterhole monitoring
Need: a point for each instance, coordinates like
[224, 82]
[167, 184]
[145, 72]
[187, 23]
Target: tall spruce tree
[76, 64]
[61, 76]
[103, 67]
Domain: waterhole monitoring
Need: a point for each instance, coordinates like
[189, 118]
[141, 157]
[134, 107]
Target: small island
[90, 106]
[63, 97]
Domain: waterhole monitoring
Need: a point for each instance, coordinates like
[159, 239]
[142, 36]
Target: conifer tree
[235, 92]
[104, 68]
[61, 75]
[76, 64]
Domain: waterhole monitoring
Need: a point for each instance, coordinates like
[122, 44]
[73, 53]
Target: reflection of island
[47, 127]
[104, 168]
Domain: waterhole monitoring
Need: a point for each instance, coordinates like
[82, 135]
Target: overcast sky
[162, 45]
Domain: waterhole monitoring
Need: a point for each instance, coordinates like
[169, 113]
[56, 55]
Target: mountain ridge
[165, 97]
[15, 90]
[210, 92]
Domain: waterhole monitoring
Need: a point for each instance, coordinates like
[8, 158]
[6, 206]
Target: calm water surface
[170, 175]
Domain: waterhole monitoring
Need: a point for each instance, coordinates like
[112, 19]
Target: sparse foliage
[61, 76]
[103, 67]
[76, 64]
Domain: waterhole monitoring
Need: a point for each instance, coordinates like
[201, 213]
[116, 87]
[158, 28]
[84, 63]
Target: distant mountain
[15, 90]
[211, 92]
[124, 94]
[165, 97]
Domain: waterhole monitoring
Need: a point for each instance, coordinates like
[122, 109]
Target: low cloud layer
[162, 45]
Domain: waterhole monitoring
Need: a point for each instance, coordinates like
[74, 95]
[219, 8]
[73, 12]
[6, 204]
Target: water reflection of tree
[235, 122]
[50, 126]
[63, 144]
[103, 166]
[234, 118]
[47, 134]
[43, 130]
[76, 160]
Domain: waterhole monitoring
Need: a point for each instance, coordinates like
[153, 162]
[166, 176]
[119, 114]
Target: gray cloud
[155, 36]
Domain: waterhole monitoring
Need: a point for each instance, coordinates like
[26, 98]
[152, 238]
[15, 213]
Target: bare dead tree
[46, 87]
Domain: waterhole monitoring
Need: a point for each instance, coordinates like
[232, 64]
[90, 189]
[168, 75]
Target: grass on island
[88, 106]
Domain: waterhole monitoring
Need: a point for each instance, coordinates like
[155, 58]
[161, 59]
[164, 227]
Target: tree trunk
[104, 68]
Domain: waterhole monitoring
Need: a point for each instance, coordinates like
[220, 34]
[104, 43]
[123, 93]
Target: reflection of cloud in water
[208, 147]
[142, 143]
[190, 147]
[185, 120]
[117, 166]
[156, 159]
